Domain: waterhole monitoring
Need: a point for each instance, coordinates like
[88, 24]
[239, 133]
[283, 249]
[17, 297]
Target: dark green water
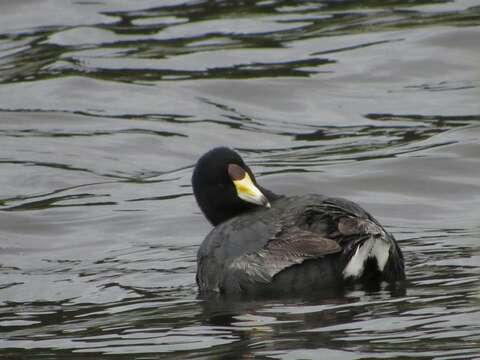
[105, 107]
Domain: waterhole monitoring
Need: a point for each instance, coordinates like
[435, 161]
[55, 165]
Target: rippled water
[105, 106]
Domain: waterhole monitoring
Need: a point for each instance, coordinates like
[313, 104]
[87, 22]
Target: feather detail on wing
[288, 249]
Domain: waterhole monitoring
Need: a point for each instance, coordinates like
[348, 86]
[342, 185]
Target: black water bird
[266, 244]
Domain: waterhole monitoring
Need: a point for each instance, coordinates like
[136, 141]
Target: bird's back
[302, 242]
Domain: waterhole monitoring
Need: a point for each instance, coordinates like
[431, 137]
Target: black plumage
[289, 245]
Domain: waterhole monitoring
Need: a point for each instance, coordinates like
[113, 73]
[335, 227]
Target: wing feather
[287, 249]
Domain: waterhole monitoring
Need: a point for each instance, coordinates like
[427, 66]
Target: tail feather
[373, 247]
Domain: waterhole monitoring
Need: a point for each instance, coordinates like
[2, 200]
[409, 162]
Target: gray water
[105, 107]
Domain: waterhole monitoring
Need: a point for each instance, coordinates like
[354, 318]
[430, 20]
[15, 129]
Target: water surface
[105, 107]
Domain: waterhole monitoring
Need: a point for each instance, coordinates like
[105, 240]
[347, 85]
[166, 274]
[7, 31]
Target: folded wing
[289, 248]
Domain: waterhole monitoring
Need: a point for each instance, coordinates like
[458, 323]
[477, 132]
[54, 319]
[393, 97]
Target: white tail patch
[377, 248]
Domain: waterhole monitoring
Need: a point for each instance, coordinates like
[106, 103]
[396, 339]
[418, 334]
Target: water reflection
[207, 39]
